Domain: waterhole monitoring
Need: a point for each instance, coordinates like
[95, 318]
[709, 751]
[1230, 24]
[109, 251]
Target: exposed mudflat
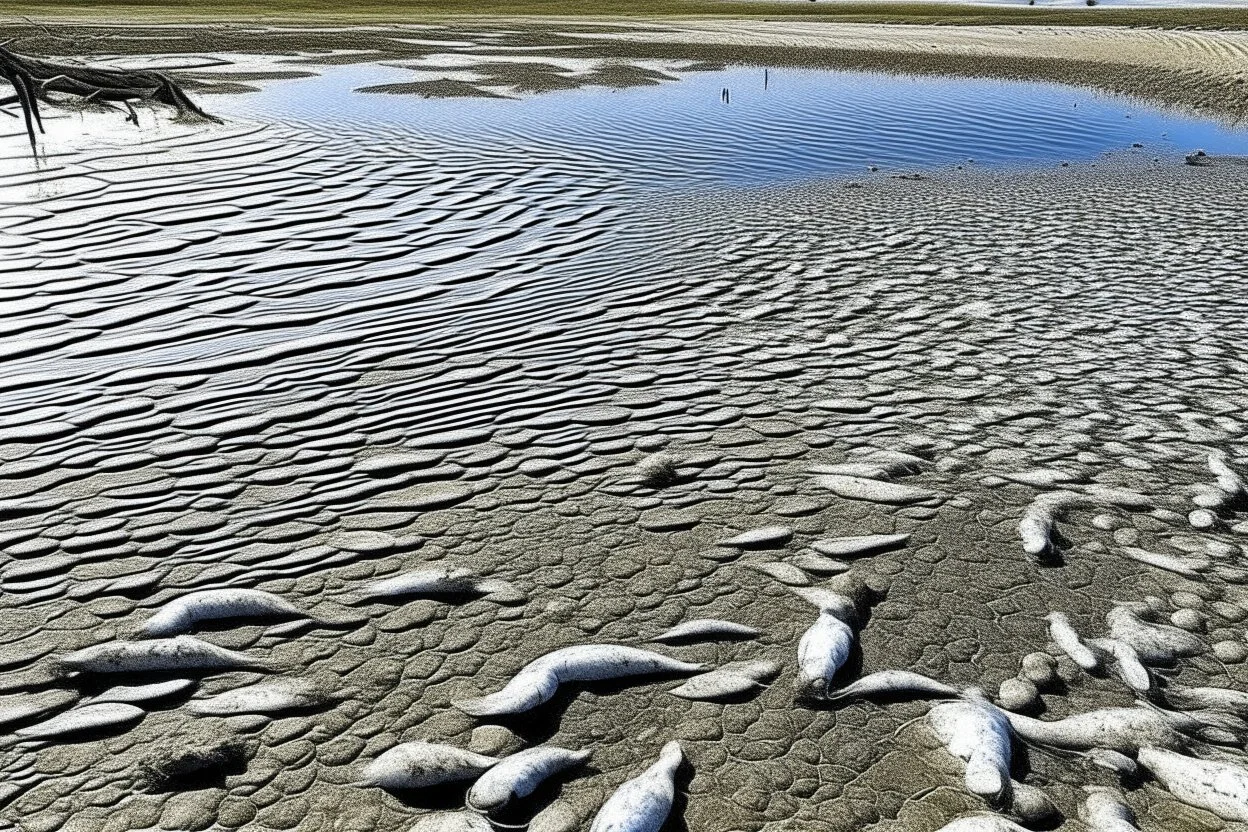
[308, 354]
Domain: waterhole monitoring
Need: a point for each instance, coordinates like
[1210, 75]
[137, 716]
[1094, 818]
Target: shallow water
[776, 125]
[377, 333]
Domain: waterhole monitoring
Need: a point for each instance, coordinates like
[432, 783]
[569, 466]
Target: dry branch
[33, 79]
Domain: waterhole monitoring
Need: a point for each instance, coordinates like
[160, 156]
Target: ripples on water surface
[788, 125]
[381, 331]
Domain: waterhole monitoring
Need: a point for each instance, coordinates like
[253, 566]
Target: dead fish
[850, 547]
[1119, 764]
[1153, 643]
[1040, 519]
[821, 653]
[1228, 479]
[1103, 810]
[444, 580]
[21, 708]
[1217, 787]
[1120, 497]
[1127, 663]
[785, 573]
[452, 822]
[730, 680]
[768, 537]
[86, 718]
[978, 733]
[182, 614]
[419, 764]
[1065, 637]
[144, 693]
[874, 491]
[820, 565]
[519, 774]
[1218, 699]
[1124, 730]
[982, 822]
[890, 683]
[706, 629]
[263, 698]
[1189, 567]
[180, 653]
[539, 679]
[643, 803]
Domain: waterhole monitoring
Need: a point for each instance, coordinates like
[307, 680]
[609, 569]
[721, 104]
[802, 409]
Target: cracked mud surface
[349, 356]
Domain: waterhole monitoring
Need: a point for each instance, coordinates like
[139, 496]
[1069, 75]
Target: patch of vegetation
[659, 471]
[193, 764]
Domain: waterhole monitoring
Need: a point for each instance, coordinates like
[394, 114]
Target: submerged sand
[304, 358]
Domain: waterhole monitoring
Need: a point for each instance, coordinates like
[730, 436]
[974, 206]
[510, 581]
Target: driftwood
[33, 79]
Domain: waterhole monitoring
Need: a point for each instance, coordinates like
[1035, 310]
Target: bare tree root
[33, 79]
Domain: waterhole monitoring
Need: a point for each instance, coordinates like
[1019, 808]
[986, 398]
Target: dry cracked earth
[303, 362]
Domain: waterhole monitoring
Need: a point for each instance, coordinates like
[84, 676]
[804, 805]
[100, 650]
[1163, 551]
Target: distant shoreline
[1217, 14]
[1200, 71]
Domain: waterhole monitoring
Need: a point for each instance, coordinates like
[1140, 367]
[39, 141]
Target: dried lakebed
[373, 456]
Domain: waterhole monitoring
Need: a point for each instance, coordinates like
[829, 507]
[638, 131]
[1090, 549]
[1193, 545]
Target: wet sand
[306, 357]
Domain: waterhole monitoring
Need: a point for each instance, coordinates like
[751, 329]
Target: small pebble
[1229, 612]
[1187, 600]
[1038, 668]
[1202, 519]
[1106, 522]
[1187, 619]
[1230, 652]
[1018, 694]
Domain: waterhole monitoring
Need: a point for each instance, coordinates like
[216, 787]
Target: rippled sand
[303, 360]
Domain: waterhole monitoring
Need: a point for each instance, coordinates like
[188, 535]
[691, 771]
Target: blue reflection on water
[804, 123]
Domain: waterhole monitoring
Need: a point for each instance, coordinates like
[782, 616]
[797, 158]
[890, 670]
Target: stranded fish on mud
[978, 733]
[182, 614]
[181, 653]
[892, 683]
[85, 718]
[1127, 663]
[144, 693]
[1103, 810]
[849, 547]
[730, 680]
[263, 698]
[706, 629]
[825, 647]
[821, 653]
[1217, 699]
[419, 764]
[539, 679]
[444, 580]
[1124, 730]
[874, 491]
[452, 822]
[519, 774]
[982, 822]
[21, 708]
[1217, 787]
[1153, 643]
[643, 803]
[1065, 637]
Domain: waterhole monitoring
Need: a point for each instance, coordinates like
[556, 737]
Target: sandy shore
[306, 357]
[1206, 71]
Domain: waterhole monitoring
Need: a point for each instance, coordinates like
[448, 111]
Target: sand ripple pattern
[304, 360]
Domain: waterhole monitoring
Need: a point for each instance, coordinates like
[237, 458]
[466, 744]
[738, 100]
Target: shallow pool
[752, 125]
